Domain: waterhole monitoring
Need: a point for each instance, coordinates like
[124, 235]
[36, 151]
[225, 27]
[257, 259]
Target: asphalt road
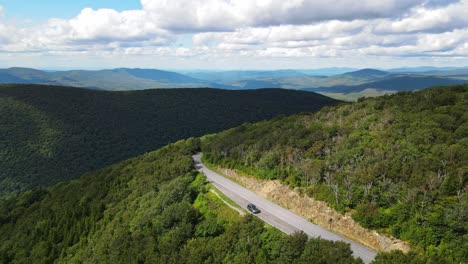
[275, 215]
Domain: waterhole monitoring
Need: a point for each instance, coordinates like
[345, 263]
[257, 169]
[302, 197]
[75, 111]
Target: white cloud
[228, 15]
[110, 24]
[92, 29]
[7, 31]
[106, 26]
[284, 35]
[253, 29]
[423, 19]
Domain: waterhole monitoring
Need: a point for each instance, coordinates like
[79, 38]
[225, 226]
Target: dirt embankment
[318, 212]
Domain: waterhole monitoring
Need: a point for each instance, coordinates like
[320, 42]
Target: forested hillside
[151, 209]
[48, 134]
[398, 163]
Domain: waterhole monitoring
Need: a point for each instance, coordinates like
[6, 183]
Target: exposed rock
[317, 212]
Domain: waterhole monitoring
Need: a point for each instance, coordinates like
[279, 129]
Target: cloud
[282, 33]
[6, 30]
[106, 26]
[431, 20]
[253, 29]
[349, 39]
[112, 25]
[224, 15]
[92, 29]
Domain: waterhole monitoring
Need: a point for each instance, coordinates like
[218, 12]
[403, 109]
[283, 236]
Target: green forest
[50, 133]
[154, 208]
[398, 163]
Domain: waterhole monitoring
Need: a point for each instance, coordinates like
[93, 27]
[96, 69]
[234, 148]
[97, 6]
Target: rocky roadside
[317, 212]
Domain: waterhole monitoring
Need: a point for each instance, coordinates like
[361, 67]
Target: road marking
[275, 215]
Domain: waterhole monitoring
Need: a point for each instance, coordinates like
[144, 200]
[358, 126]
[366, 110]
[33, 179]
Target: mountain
[346, 85]
[394, 82]
[292, 79]
[22, 75]
[456, 73]
[49, 134]
[153, 208]
[396, 163]
[424, 69]
[351, 78]
[228, 77]
[282, 82]
[158, 75]
[328, 71]
[367, 73]
[116, 79]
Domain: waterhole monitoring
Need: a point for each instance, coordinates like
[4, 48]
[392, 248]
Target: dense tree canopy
[399, 163]
[48, 133]
[150, 209]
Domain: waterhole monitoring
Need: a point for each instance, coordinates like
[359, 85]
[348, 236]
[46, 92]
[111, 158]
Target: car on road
[252, 208]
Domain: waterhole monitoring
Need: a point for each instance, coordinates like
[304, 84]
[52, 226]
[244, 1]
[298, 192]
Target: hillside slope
[48, 134]
[394, 82]
[150, 209]
[112, 80]
[348, 84]
[397, 163]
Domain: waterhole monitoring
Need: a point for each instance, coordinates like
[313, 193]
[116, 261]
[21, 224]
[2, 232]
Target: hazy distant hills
[114, 80]
[426, 69]
[50, 133]
[332, 81]
[358, 81]
[392, 83]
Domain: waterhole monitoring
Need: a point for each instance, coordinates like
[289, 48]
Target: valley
[234, 132]
[50, 133]
[412, 189]
[152, 208]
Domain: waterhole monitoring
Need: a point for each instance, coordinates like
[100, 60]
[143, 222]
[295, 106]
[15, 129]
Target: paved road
[275, 215]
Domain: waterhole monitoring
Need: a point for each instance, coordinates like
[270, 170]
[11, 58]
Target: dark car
[253, 209]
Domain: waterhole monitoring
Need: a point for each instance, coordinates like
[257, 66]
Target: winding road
[275, 215]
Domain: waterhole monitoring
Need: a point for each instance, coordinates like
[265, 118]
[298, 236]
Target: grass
[225, 198]
[210, 205]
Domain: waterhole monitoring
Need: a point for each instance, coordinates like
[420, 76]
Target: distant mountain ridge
[114, 79]
[333, 80]
[367, 73]
[159, 75]
[394, 83]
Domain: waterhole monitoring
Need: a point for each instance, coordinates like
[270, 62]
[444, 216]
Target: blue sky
[41, 10]
[233, 34]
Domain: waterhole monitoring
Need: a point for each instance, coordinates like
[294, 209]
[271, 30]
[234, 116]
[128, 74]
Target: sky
[233, 34]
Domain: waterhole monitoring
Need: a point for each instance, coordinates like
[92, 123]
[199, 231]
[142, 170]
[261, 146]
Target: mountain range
[330, 81]
[395, 164]
[113, 80]
[51, 133]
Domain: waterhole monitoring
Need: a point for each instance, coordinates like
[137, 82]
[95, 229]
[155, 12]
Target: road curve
[275, 215]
